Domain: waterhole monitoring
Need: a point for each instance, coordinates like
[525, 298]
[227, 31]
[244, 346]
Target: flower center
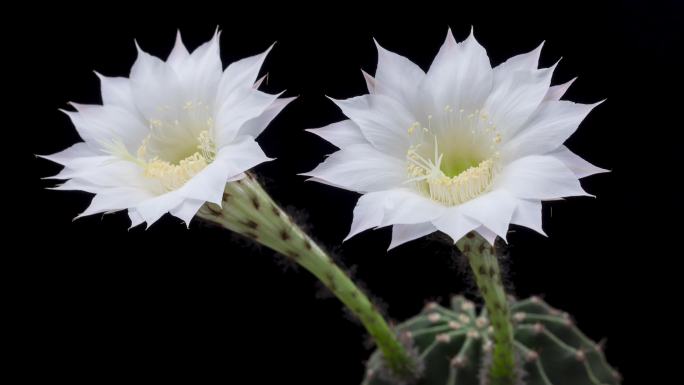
[453, 158]
[180, 144]
[173, 176]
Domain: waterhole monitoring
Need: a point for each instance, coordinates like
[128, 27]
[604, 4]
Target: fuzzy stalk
[248, 210]
[485, 266]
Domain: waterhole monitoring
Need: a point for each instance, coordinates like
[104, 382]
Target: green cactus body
[455, 345]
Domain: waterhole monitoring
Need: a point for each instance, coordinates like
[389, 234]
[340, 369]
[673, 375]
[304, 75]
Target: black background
[99, 302]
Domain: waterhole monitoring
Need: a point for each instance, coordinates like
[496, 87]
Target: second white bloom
[462, 147]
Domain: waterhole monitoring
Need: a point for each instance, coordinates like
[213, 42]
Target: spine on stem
[248, 210]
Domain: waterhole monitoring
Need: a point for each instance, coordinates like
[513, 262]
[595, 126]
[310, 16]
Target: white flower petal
[153, 209]
[557, 92]
[82, 166]
[538, 177]
[240, 75]
[78, 184]
[397, 77]
[117, 91]
[528, 213]
[106, 124]
[398, 206]
[514, 100]
[370, 82]
[579, 166]
[523, 62]
[341, 134]
[493, 210]
[460, 76]
[200, 73]
[368, 213]
[406, 233]
[382, 120]
[157, 92]
[72, 154]
[115, 199]
[487, 234]
[361, 168]
[454, 224]
[135, 217]
[230, 161]
[259, 81]
[550, 126]
[179, 54]
[187, 210]
[232, 115]
[404, 206]
[255, 126]
[109, 172]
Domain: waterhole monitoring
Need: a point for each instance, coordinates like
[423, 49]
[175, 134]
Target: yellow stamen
[173, 176]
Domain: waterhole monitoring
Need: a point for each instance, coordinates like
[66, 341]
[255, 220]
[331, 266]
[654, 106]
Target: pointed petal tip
[137, 47]
[333, 99]
[378, 46]
[70, 114]
[50, 177]
[393, 246]
[349, 236]
[81, 215]
[132, 226]
[270, 47]
[557, 61]
[450, 39]
[553, 67]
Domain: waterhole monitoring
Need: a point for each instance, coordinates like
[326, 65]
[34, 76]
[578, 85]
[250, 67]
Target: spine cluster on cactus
[456, 345]
[247, 209]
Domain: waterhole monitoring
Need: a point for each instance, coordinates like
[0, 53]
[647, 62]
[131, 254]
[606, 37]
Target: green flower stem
[485, 267]
[248, 210]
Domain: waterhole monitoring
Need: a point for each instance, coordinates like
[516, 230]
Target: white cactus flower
[462, 147]
[169, 137]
